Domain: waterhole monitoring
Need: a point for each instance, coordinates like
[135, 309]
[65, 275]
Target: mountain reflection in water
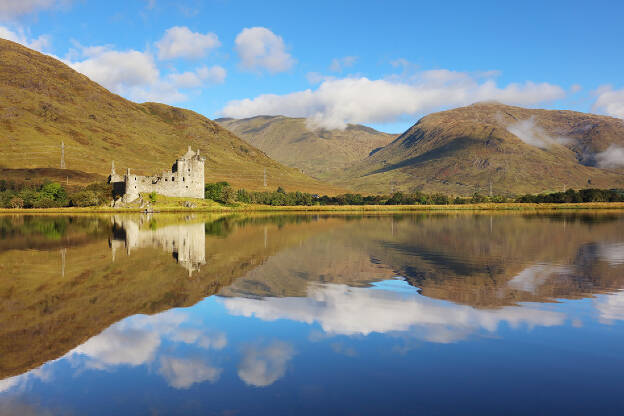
[197, 313]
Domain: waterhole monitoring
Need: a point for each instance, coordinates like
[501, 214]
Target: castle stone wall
[185, 179]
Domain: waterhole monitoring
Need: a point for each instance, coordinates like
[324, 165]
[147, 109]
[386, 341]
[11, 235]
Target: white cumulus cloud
[531, 278]
[133, 341]
[136, 74]
[339, 64]
[118, 70]
[182, 373]
[212, 75]
[216, 341]
[259, 48]
[337, 102]
[19, 382]
[344, 310]
[263, 365]
[530, 133]
[609, 101]
[181, 42]
[611, 307]
[611, 157]
[20, 36]
[132, 74]
[10, 9]
[119, 345]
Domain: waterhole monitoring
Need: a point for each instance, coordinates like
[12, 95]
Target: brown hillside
[44, 102]
[318, 152]
[461, 151]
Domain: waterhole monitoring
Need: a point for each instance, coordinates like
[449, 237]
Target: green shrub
[214, 191]
[243, 196]
[440, 199]
[228, 195]
[85, 199]
[16, 202]
[477, 198]
[45, 201]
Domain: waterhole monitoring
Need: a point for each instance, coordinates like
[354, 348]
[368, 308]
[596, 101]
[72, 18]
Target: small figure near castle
[185, 179]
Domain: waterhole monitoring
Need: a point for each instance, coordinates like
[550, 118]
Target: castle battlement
[185, 179]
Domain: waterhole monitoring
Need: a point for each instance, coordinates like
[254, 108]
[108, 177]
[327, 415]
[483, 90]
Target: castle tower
[132, 191]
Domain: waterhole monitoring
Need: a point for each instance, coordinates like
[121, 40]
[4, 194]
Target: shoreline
[527, 207]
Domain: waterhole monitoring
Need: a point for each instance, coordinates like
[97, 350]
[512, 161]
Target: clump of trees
[572, 196]
[51, 195]
[222, 192]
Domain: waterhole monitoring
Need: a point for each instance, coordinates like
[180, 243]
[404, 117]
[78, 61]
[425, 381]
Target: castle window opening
[172, 179]
[182, 178]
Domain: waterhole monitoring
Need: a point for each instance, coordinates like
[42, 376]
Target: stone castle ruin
[185, 179]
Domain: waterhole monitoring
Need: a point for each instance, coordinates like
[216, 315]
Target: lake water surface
[312, 314]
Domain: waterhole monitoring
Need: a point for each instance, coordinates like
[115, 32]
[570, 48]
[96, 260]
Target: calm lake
[423, 314]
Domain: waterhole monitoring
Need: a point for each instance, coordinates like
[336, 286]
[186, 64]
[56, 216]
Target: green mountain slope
[318, 153]
[44, 102]
[514, 149]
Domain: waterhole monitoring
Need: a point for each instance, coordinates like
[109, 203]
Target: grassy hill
[44, 102]
[68, 177]
[517, 150]
[317, 152]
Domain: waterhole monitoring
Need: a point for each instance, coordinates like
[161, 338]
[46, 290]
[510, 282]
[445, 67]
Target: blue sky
[383, 64]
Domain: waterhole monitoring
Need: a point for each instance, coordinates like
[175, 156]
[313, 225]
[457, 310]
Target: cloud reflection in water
[344, 310]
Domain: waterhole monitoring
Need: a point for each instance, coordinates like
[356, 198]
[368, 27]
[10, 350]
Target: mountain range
[461, 151]
[485, 147]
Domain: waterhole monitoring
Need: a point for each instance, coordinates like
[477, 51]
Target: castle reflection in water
[185, 241]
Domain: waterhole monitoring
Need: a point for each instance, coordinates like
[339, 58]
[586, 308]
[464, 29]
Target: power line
[62, 155]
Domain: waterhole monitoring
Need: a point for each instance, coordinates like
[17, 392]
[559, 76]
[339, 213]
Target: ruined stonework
[185, 242]
[185, 179]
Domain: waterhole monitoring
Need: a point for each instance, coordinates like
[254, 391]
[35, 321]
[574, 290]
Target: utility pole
[265, 177]
[63, 253]
[62, 155]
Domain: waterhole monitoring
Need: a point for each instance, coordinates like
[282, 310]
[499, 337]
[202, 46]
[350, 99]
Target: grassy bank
[208, 206]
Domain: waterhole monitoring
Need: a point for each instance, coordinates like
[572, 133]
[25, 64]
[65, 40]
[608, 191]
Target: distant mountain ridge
[494, 146]
[318, 152]
[43, 102]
